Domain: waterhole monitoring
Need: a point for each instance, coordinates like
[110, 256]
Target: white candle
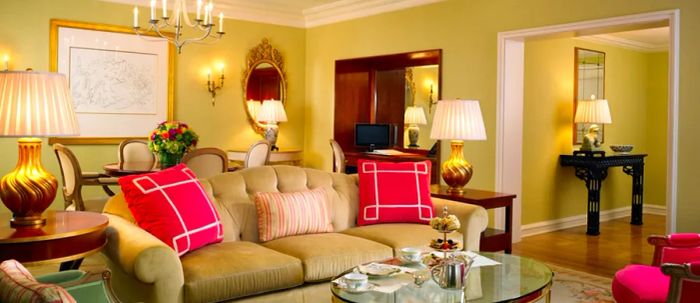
[208, 75]
[211, 17]
[136, 16]
[206, 14]
[153, 9]
[199, 9]
[6, 58]
[165, 8]
[221, 26]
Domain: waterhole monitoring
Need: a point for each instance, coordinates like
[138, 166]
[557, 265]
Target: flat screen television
[372, 135]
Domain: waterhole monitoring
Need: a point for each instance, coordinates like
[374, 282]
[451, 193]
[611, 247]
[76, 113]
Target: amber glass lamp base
[456, 171]
[29, 189]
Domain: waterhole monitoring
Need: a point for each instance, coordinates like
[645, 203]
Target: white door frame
[509, 117]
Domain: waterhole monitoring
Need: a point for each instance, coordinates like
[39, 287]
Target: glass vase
[169, 160]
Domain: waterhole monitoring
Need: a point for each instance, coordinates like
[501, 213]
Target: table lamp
[592, 111]
[413, 116]
[32, 104]
[457, 120]
[253, 108]
[271, 112]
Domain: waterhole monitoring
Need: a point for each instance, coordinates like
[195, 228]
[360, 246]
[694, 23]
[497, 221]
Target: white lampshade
[414, 115]
[458, 120]
[272, 111]
[36, 104]
[253, 107]
[593, 111]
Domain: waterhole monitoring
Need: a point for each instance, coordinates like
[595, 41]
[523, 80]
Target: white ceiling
[297, 13]
[645, 40]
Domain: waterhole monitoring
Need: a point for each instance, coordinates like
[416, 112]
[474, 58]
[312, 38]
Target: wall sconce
[212, 87]
[431, 101]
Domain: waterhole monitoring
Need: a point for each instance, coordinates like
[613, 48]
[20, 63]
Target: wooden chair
[338, 157]
[74, 179]
[258, 154]
[135, 150]
[206, 162]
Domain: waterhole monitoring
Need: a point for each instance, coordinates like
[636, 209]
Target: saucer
[366, 287]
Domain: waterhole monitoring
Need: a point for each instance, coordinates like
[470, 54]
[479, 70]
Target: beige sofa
[145, 269]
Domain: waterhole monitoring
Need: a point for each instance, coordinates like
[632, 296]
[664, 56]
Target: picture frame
[122, 83]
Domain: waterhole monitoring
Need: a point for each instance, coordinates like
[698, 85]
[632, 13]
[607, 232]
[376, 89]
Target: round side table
[67, 237]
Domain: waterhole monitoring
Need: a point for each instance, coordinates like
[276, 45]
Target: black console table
[592, 167]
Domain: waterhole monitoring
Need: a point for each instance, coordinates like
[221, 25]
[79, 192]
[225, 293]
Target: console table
[491, 239]
[592, 167]
[291, 157]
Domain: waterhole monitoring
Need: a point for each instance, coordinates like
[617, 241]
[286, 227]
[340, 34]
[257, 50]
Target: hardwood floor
[618, 244]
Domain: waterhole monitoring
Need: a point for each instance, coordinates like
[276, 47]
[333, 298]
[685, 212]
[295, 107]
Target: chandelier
[179, 17]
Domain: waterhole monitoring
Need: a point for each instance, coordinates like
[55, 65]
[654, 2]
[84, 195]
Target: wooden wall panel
[352, 101]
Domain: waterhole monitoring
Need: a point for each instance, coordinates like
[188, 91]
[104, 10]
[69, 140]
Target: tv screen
[372, 135]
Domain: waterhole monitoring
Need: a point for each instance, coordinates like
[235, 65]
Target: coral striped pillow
[18, 285]
[297, 213]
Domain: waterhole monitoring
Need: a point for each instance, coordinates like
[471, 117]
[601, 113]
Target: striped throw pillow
[297, 213]
[18, 285]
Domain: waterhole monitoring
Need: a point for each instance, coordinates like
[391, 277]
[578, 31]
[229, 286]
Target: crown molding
[625, 43]
[338, 11]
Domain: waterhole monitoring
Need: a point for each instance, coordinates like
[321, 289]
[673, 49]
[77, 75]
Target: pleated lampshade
[253, 107]
[36, 104]
[593, 111]
[458, 120]
[414, 115]
[272, 111]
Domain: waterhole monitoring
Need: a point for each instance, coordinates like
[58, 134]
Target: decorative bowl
[622, 148]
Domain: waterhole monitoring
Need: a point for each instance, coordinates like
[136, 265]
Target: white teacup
[355, 280]
[411, 254]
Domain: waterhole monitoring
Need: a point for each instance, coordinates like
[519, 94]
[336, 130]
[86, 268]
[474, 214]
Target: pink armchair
[674, 275]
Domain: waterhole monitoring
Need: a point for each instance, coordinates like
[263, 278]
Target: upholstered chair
[206, 162]
[673, 277]
[258, 154]
[338, 157]
[135, 150]
[74, 179]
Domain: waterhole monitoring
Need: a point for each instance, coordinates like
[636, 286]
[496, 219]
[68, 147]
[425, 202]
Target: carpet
[571, 286]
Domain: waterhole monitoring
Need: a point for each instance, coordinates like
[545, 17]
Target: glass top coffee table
[516, 279]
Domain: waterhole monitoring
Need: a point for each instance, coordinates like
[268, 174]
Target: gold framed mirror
[263, 79]
[589, 84]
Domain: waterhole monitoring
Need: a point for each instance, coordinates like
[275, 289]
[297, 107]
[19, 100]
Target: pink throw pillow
[394, 192]
[297, 213]
[172, 205]
[18, 285]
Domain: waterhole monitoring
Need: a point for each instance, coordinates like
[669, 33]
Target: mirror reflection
[264, 83]
[589, 84]
[263, 79]
[421, 90]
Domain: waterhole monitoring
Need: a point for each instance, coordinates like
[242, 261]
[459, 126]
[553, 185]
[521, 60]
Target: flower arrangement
[172, 137]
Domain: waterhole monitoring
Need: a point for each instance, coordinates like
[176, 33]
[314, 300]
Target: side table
[491, 239]
[67, 237]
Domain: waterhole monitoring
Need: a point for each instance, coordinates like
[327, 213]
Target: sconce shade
[253, 108]
[458, 120]
[36, 104]
[272, 111]
[414, 115]
[593, 111]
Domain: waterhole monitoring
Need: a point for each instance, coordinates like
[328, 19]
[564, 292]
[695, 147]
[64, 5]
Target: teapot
[451, 273]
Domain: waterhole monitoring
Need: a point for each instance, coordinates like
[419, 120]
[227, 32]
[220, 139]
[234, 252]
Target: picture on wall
[121, 83]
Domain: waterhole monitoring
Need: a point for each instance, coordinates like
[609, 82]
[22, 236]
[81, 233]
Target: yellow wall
[551, 191]
[466, 31]
[657, 115]
[24, 34]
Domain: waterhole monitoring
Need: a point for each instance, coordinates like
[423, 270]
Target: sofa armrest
[473, 219]
[144, 258]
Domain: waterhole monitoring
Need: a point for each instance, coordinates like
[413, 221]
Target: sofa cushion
[172, 205]
[235, 269]
[394, 192]
[326, 255]
[296, 213]
[399, 235]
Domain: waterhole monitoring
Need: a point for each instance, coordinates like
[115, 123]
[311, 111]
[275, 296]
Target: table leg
[637, 173]
[594, 181]
[509, 228]
[70, 265]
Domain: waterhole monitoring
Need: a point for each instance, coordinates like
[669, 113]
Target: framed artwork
[122, 84]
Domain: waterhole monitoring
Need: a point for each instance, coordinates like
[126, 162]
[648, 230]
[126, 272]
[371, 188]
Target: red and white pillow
[172, 205]
[394, 192]
[296, 213]
[18, 285]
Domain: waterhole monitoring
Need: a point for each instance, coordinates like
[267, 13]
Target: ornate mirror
[263, 79]
[589, 84]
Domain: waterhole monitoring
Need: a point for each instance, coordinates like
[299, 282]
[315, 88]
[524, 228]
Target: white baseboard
[579, 220]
